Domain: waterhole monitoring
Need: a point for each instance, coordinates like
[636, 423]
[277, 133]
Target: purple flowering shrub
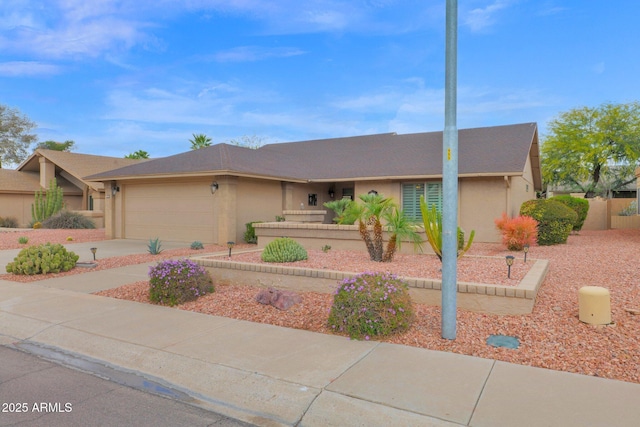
[174, 282]
[370, 305]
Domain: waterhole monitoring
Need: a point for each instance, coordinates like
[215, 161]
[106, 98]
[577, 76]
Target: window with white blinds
[432, 192]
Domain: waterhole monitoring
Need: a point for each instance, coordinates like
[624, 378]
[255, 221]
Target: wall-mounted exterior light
[114, 190]
[214, 187]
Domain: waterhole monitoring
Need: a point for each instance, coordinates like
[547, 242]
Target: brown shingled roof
[77, 165]
[497, 150]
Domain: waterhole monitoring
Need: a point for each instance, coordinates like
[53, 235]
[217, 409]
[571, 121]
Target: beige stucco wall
[481, 201]
[19, 206]
[257, 200]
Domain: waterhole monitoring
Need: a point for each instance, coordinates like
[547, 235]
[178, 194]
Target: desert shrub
[250, 232]
[154, 247]
[283, 249]
[518, 231]
[555, 220]
[197, 245]
[23, 240]
[371, 305]
[43, 259]
[173, 282]
[340, 208]
[68, 220]
[630, 210]
[9, 222]
[36, 225]
[580, 206]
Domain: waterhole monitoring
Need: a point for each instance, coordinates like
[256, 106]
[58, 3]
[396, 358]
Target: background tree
[200, 141]
[587, 146]
[140, 154]
[254, 142]
[57, 146]
[15, 138]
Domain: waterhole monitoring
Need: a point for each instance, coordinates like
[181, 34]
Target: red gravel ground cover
[551, 337]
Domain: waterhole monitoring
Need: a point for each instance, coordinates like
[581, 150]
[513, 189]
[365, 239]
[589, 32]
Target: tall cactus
[47, 203]
[433, 228]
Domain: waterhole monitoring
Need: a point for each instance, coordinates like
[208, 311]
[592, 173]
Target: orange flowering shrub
[518, 231]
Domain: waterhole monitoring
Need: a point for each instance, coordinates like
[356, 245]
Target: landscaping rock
[282, 300]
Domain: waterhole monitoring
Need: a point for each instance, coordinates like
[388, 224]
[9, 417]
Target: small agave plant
[154, 247]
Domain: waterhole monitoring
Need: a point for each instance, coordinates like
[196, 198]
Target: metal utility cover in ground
[503, 341]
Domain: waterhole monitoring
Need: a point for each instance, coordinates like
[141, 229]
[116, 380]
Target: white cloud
[28, 68]
[255, 53]
[481, 18]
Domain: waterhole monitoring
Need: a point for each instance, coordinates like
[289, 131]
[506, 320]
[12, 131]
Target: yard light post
[510, 259]
[93, 251]
[230, 245]
[525, 249]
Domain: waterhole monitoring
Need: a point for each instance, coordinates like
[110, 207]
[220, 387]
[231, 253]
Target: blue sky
[118, 76]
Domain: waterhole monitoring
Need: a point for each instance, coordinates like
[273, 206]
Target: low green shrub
[43, 259]
[173, 282]
[197, 245]
[9, 222]
[23, 240]
[340, 208]
[370, 305]
[283, 249]
[580, 206]
[68, 220]
[155, 246]
[555, 220]
[250, 232]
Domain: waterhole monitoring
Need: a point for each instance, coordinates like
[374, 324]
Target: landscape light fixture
[525, 248]
[214, 187]
[509, 259]
[230, 245]
[93, 251]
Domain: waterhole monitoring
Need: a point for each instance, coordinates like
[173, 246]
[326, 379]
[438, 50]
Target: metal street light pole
[450, 176]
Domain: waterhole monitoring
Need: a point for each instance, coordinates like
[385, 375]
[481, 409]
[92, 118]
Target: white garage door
[169, 211]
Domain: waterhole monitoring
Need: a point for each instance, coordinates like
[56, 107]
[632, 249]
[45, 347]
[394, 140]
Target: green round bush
[68, 220]
[555, 220]
[43, 259]
[580, 206]
[370, 305]
[173, 282]
[283, 249]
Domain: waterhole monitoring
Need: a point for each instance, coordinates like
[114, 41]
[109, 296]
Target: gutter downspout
[507, 199]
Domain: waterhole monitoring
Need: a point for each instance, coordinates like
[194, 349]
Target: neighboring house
[210, 194]
[18, 187]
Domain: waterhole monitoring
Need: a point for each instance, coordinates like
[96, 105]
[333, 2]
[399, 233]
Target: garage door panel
[174, 211]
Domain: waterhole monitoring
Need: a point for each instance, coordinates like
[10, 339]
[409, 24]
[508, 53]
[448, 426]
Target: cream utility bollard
[595, 305]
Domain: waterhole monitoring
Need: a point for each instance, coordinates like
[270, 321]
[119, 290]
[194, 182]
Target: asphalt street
[35, 392]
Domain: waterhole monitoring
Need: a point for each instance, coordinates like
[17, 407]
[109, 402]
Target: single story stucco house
[210, 194]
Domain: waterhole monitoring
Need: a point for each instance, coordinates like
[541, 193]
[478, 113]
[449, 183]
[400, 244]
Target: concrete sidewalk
[271, 376]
